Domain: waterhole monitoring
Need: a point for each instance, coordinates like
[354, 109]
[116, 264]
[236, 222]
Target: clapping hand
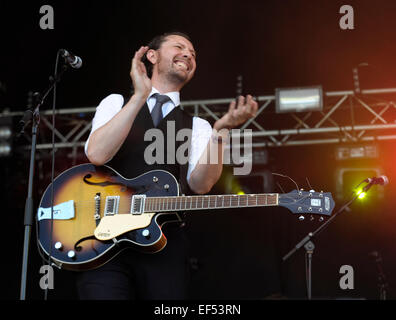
[238, 113]
[141, 82]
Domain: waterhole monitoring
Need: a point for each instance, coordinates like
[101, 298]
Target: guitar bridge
[137, 206]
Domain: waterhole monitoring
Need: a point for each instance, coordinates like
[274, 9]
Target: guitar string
[245, 199]
[195, 202]
[199, 198]
[206, 202]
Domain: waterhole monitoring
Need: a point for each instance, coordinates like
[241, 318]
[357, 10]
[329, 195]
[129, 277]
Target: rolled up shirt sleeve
[105, 111]
[201, 133]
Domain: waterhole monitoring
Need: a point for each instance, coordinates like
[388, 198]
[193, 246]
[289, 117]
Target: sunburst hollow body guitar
[96, 212]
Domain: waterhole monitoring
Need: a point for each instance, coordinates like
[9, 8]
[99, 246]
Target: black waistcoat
[129, 160]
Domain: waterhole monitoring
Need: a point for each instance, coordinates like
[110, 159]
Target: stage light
[362, 195]
[299, 99]
[261, 181]
[357, 152]
[5, 137]
[348, 178]
[5, 149]
[5, 133]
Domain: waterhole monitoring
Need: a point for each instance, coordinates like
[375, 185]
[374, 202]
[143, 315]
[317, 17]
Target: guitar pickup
[111, 205]
[137, 206]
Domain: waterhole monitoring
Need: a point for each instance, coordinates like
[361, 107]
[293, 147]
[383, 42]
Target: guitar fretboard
[185, 203]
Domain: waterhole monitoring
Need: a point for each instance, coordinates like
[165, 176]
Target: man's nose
[187, 54]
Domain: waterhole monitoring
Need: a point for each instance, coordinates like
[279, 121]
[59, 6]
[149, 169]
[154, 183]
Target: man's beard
[176, 77]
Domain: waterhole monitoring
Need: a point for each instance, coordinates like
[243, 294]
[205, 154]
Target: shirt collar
[174, 95]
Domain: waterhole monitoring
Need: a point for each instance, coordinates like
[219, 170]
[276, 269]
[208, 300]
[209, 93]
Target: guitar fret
[251, 200]
[178, 203]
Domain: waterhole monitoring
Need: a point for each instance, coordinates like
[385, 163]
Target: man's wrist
[220, 136]
[137, 100]
[219, 126]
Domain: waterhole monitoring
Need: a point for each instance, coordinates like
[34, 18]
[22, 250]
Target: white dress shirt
[201, 129]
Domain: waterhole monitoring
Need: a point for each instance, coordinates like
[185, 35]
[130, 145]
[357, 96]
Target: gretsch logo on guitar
[97, 212]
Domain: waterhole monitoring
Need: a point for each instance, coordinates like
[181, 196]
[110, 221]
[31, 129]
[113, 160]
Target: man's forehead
[180, 39]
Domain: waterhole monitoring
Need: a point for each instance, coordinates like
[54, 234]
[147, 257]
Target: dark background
[235, 254]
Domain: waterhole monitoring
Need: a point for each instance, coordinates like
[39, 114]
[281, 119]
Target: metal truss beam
[346, 117]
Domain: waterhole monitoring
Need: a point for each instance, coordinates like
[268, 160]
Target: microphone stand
[309, 246]
[34, 116]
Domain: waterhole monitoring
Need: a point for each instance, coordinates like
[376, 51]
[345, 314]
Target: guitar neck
[186, 203]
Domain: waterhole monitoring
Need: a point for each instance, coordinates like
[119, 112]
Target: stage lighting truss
[345, 117]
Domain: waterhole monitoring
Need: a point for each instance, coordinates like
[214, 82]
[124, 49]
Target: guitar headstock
[307, 202]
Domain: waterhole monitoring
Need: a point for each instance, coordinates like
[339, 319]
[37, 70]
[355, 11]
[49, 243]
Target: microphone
[381, 180]
[72, 60]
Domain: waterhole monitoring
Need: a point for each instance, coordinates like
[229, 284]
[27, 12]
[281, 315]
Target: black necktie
[156, 113]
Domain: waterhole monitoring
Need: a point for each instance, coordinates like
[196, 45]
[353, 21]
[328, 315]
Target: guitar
[97, 212]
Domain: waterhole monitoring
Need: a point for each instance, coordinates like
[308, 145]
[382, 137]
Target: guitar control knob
[146, 233]
[71, 254]
[58, 246]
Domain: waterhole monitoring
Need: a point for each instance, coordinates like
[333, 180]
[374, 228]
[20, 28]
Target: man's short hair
[156, 43]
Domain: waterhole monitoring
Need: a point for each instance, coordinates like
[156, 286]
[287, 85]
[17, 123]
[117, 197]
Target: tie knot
[161, 98]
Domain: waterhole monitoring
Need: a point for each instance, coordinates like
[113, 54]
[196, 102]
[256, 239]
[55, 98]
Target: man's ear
[152, 56]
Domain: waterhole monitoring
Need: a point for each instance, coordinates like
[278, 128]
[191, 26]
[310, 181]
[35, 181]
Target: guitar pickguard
[116, 225]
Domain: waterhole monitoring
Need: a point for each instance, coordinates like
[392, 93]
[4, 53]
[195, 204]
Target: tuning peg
[301, 218]
[321, 219]
[311, 218]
